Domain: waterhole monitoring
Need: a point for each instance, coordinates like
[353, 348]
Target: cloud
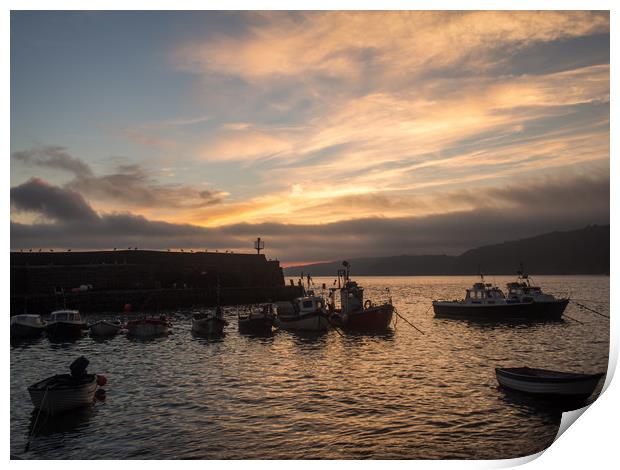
[51, 202]
[130, 185]
[53, 157]
[492, 215]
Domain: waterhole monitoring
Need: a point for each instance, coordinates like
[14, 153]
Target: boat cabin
[351, 297]
[518, 289]
[484, 293]
[309, 304]
[66, 315]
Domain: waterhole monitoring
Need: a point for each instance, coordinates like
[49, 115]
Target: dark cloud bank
[538, 208]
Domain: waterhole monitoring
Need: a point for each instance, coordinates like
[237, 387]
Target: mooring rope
[590, 309]
[407, 321]
[36, 420]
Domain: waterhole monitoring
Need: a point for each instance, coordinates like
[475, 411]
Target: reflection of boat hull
[304, 322]
[530, 310]
[148, 328]
[546, 383]
[368, 319]
[19, 330]
[104, 328]
[61, 393]
[65, 329]
[208, 326]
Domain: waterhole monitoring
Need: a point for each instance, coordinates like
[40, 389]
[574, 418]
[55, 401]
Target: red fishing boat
[355, 313]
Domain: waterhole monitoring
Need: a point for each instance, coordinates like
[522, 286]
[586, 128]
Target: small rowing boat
[542, 382]
[26, 326]
[60, 393]
[105, 328]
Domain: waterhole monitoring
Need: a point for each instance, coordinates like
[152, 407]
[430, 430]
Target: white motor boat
[27, 326]
[303, 314]
[65, 324]
[104, 328]
[524, 291]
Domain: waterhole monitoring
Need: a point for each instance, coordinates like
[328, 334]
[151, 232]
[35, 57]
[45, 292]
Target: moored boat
[149, 327]
[522, 290]
[484, 301]
[257, 319]
[60, 393]
[355, 313]
[209, 323]
[65, 324]
[542, 382]
[26, 326]
[105, 328]
[306, 313]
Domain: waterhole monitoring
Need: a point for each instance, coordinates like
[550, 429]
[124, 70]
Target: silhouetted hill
[584, 251]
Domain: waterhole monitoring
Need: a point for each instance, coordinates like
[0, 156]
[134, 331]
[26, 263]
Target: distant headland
[583, 251]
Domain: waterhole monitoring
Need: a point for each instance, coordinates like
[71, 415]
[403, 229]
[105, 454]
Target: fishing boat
[522, 290]
[149, 327]
[543, 382]
[60, 393]
[65, 324]
[487, 302]
[355, 313]
[210, 323]
[105, 328]
[27, 326]
[306, 313]
[257, 319]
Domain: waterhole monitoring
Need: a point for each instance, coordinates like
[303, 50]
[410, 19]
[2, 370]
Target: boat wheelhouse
[522, 290]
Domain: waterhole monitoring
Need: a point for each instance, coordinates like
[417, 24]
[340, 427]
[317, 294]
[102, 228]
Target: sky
[328, 134]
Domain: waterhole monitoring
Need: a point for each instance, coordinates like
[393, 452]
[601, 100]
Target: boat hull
[148, 328]
[208, 326]
[26, 331]
[61, 329]
[530, 310]
[563, 385]
[307, 322]
[55, 400]
[104, 328]
[368, 319]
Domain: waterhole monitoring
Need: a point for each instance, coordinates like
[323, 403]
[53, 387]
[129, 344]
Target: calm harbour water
[396, 395]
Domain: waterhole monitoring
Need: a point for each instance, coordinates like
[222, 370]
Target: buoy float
[100, 394]
[127, 308]
[102, 380]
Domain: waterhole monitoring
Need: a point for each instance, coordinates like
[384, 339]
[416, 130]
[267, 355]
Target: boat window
[60, 316]
[307, 304]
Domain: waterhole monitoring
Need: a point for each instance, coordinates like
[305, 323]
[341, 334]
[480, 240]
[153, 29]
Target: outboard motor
[78, 367]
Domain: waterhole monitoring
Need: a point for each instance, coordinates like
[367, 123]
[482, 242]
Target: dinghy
[64, 392]
[105, 328]
[145, 328]
[543, 382]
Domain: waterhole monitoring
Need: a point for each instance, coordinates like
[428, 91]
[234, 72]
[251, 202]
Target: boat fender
[100, 394]
[368, 304]
[127, 308]
[102, 380]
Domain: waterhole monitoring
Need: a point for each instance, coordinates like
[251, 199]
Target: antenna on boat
[480, 274]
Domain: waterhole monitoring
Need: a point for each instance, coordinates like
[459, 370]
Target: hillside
[584, 251]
